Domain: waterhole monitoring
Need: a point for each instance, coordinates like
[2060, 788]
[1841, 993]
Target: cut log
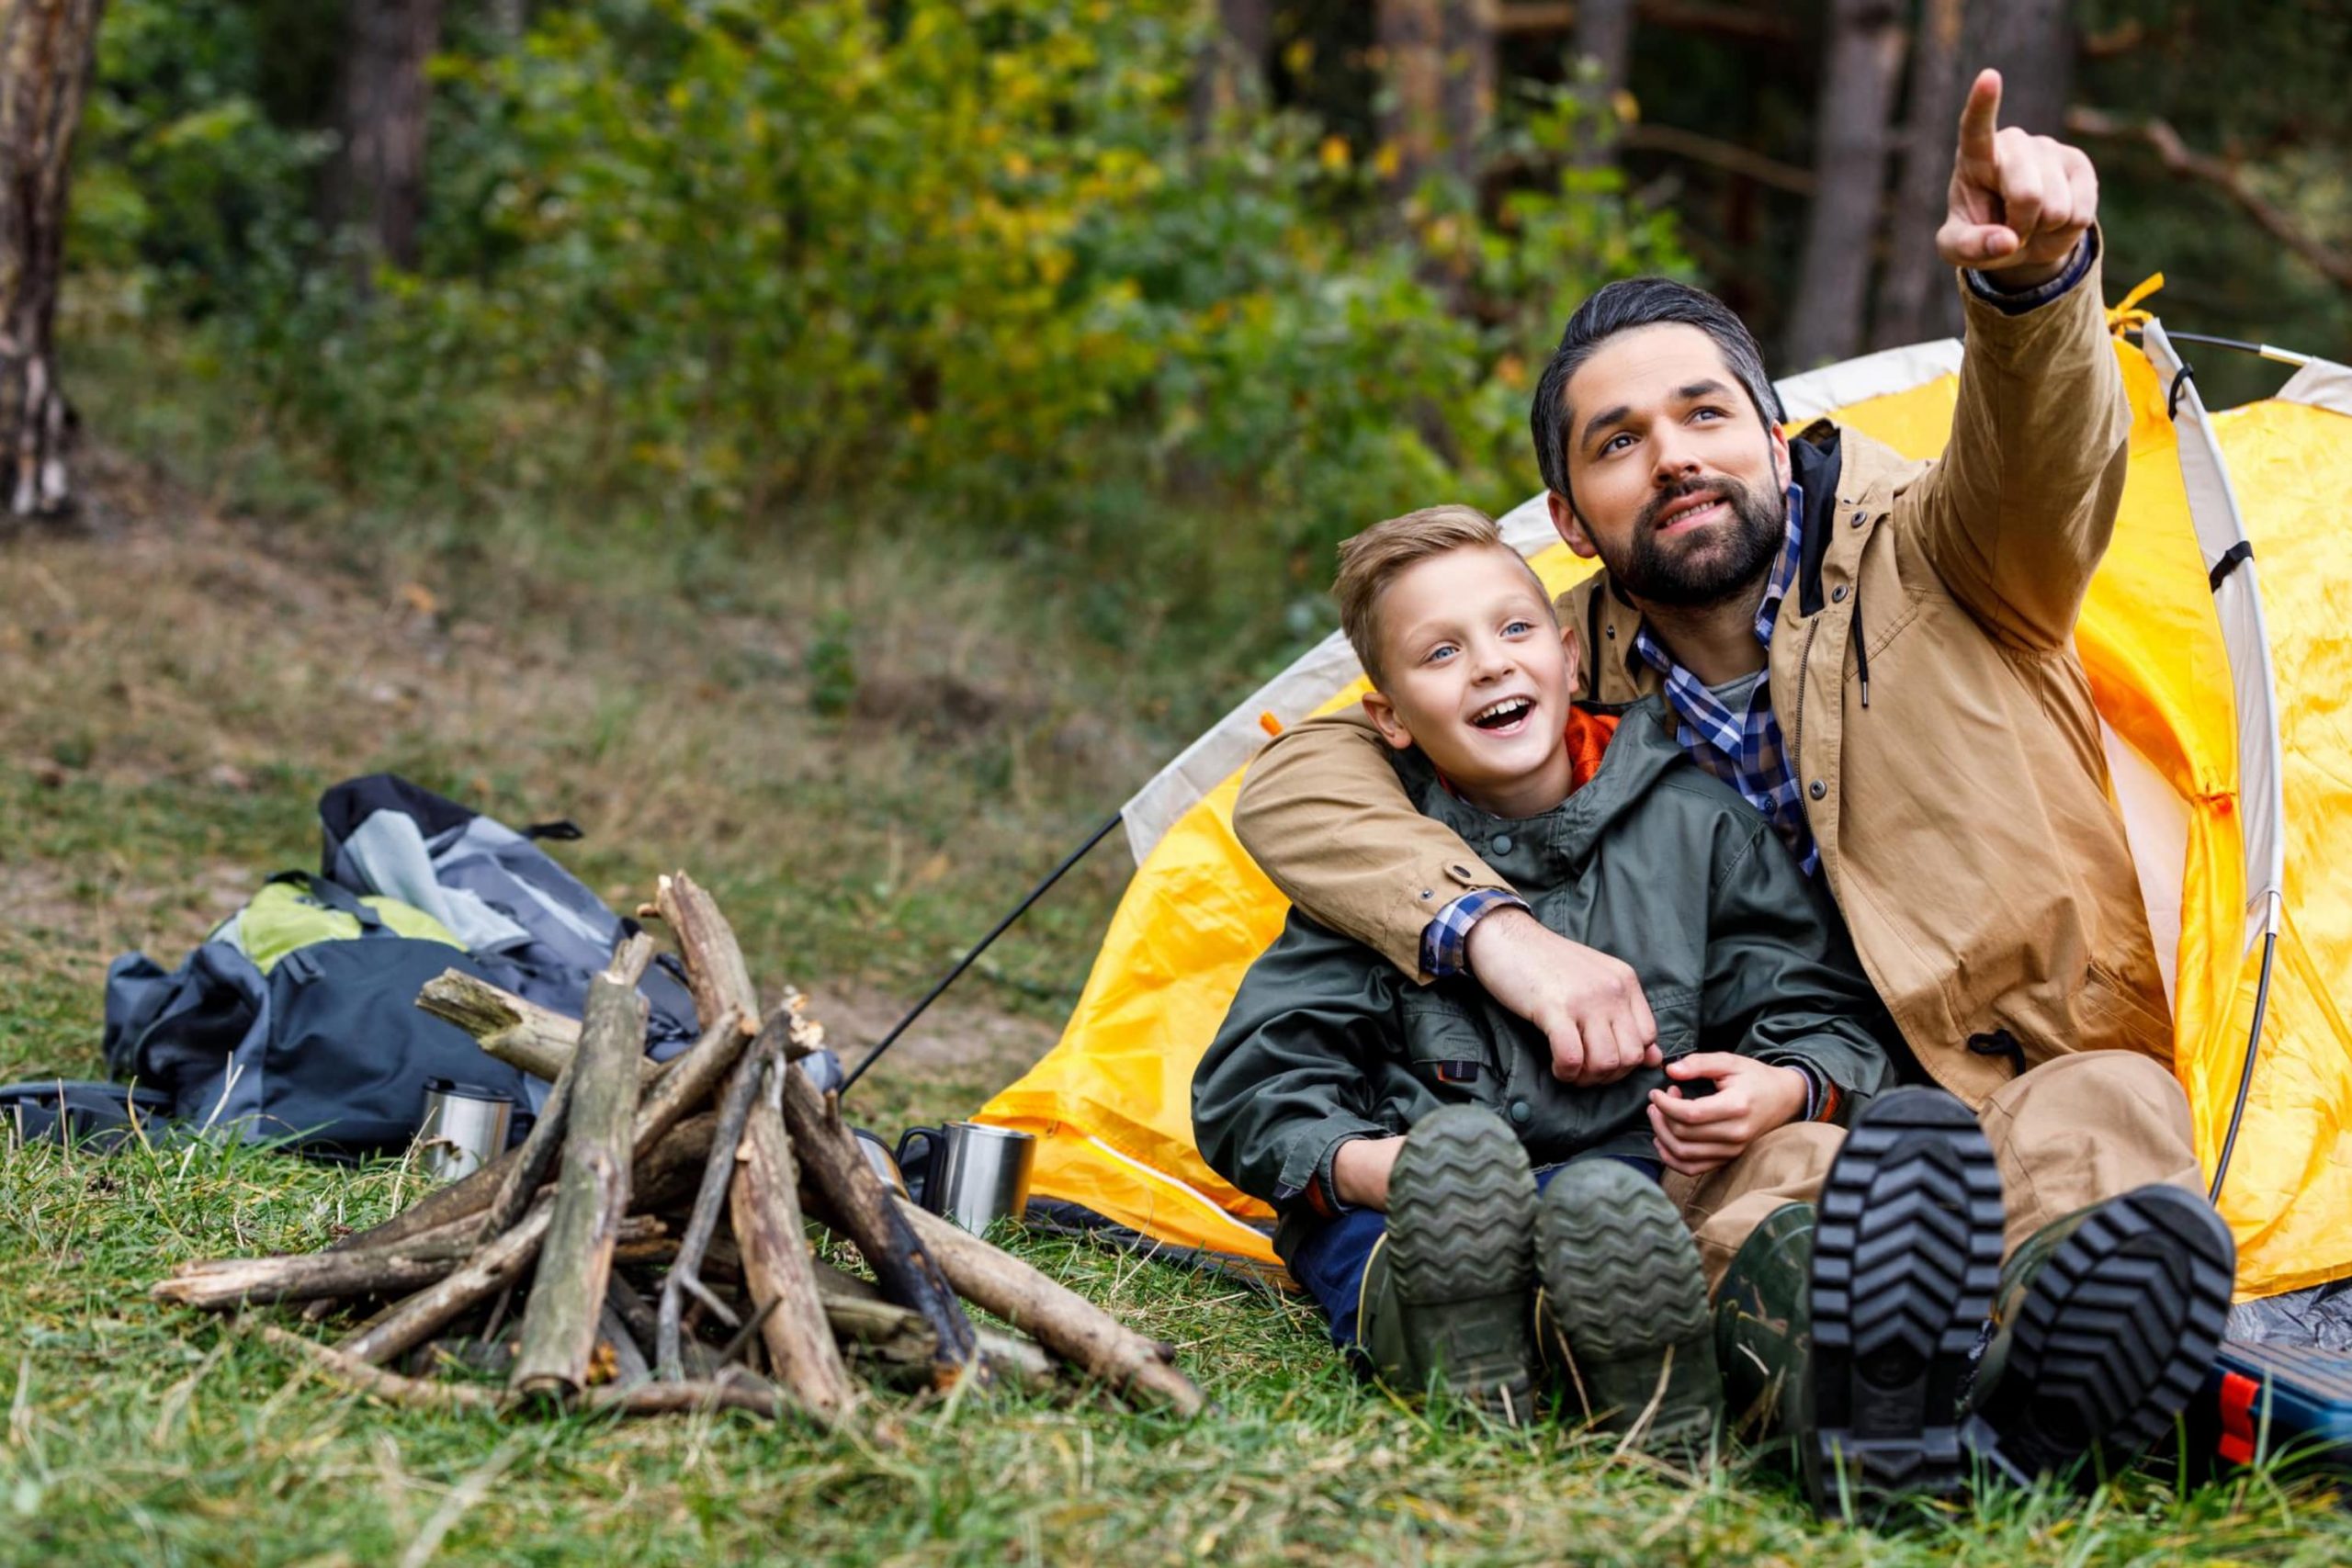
[764, 1204]
[716, 972]
[876, 1330]
[227, 1282]
[718, 1172]
[522, 1034]
[736, 1391]
[1059, 1319]
[860, 1203]
[593, 1189]
[540, 1146]
[691, 1079]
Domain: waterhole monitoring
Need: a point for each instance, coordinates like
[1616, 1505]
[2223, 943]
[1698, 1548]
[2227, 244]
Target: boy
[1393, 1125]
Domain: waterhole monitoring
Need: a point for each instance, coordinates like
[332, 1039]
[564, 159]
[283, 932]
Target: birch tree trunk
[1916, 298]
[1866, 44]
[378, 183]
[47, 49]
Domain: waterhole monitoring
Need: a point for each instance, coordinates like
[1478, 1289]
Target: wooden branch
[671, 1172]
[692, 1079]
[877, 1331]
[353, 1372]
[1729, 156]
[1063, 1321]
[461, 1200]
[225, 1282]
[629, 1366]
[2223, 175]
[540, 1146]
[860, 1202]
[592, 1192]
[764, 1203]
[1762, 23]
[718, 1168]
[735, 1392]
[716, 972]
[493, 1269]
[522, 1034]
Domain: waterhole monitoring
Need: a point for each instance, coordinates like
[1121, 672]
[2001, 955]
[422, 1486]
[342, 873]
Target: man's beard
[1701, 572]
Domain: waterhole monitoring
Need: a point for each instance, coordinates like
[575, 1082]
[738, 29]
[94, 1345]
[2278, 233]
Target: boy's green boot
[1850, 1323]
[2106, 1324]
[1625, 1306]
[1446, 1294]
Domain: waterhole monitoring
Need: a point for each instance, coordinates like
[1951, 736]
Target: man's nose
[1675, 461]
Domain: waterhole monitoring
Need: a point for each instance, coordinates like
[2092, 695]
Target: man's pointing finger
[1980, 119]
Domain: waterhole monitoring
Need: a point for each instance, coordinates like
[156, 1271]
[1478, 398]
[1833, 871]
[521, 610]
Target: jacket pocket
[1449, 1049]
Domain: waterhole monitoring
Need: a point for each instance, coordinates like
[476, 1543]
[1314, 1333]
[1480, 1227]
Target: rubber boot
[1448, 1292]
[1848, 1326]
[2106, 1323]
[1626, 1308]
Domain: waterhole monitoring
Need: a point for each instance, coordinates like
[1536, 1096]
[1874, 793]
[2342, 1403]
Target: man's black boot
[2106, 1324]
[1625, 1308]
[1849, 1324]
[1447, 1293]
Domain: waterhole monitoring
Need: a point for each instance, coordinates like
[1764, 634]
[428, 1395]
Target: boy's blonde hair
[1381, 553]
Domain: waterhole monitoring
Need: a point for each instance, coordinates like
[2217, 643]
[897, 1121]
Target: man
[1935, 759]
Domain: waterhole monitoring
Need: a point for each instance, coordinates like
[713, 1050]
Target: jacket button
[1613, 632]
[1818, 789]
[1501, 844]
[1838, 593]
[1521, 1113]
[1858, 518]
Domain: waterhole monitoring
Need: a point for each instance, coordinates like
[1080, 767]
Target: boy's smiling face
[1476, 671]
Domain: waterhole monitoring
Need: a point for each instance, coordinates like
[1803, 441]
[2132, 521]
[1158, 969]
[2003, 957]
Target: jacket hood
[1642, 752]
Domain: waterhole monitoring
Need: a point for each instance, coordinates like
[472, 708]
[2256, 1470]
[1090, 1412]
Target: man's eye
[1616, 443]
[1707, 414]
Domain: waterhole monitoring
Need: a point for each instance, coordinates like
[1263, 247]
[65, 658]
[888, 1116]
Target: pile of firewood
[587, 1264]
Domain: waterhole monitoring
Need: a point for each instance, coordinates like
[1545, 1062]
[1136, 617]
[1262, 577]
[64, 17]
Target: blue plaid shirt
[1744, 747]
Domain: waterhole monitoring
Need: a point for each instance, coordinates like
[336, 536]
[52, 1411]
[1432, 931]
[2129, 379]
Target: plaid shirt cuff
[1445, 940]
[2018, 303]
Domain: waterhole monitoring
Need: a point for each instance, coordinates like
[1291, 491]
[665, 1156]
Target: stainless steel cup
[465, 1128]
[978, 1175]
[878, 1154]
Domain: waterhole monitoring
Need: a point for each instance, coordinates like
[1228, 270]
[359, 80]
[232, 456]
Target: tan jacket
[1964, 815]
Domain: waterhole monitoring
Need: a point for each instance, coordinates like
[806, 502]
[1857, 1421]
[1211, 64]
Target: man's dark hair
[1621, 308]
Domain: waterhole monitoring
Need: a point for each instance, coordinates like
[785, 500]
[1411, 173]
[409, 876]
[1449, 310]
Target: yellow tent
[2238, 803]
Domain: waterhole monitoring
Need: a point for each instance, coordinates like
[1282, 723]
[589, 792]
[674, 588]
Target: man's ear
[1568, 525]
[1385, 718]
[1783, 468]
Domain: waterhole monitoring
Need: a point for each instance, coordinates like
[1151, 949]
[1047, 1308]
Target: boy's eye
[1519, 628]
[1442, 652]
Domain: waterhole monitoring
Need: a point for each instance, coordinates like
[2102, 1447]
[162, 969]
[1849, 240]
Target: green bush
[773, 259]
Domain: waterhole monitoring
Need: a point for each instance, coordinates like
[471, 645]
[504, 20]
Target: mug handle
[918, 1178]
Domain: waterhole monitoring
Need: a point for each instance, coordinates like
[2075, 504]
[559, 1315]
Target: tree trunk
[1440, 57]
[1605, 49]
[1915, 298]
[2031, 43]
[1231, 70]
[1866, 45]
[47, 47]
[379, 183]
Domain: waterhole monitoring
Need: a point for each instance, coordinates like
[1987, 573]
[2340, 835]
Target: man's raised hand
[1589, 1005]
[2019, 203]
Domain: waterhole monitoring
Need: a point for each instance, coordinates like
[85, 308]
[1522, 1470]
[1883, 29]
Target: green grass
[181, 676]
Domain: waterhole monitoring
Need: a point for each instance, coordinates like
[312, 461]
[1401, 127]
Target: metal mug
[975, 1176]
[465, 1128]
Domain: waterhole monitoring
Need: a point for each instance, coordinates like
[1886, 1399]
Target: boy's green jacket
[1652, 861]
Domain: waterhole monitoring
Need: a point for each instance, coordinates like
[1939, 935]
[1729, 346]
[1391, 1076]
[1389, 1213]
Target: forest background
[844, 447]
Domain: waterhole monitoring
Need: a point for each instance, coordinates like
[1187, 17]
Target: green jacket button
[1520, 1111]
[1501, 844]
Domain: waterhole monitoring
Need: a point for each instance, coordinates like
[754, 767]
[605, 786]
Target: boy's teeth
[1504, 711]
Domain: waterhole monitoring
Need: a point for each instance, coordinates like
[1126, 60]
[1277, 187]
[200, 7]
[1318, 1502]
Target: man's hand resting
[1589, 1005]
[1752, 1098]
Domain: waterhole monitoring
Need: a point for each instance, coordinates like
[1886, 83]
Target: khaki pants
[2072, 1132]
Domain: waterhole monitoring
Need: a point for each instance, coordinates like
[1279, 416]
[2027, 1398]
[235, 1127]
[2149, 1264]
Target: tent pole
[2264, 350]
[2246, 1078]
[981, 946]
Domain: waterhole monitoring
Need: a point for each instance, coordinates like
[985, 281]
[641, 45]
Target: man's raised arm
[2017, 514]
[1326, 819]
